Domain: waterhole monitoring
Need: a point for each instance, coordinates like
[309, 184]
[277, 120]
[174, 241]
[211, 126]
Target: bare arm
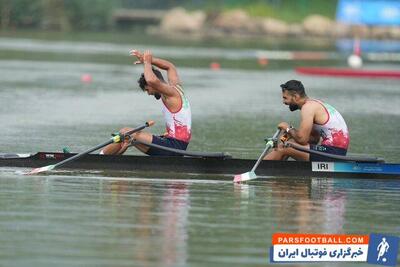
[314, 138]
[152, 79]
[172, 73]
[302, 134]
[173, 78]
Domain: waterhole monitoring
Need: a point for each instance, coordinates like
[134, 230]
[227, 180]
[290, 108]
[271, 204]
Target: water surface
[93, 219]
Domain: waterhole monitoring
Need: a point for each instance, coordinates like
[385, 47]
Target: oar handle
[115, 139]
[120, 137]
[277, 133]
[147, 124]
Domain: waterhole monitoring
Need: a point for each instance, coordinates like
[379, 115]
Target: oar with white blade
[251, 174]
[115, 139]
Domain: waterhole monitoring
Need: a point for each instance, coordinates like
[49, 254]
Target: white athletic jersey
[179, 124]
[334, 131]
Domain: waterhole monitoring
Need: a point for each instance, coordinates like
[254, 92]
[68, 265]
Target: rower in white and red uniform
[175, 108]
[322, 128]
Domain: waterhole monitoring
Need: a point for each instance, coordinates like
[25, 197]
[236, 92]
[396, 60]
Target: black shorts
[166, 142]
[326, 149]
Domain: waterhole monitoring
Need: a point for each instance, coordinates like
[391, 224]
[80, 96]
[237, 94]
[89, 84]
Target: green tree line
[96, 15]
[63, 15]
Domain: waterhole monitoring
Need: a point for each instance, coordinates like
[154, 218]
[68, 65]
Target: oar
[115, 139]
[333, 157]
[251, 174]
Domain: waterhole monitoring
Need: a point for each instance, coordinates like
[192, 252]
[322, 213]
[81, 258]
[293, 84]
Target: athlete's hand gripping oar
[115, 139]
[251, 174]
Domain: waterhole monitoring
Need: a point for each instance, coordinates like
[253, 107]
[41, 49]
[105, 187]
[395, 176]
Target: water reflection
[333, 204]
[158, 222]
[176, 207]
[308, 205]
[326, 205]
[166, 207]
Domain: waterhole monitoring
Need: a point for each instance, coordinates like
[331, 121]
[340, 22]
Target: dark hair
[142, 81]
[294, 86]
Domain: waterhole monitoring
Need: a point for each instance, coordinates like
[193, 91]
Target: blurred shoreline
[197, 20]
[179, 22]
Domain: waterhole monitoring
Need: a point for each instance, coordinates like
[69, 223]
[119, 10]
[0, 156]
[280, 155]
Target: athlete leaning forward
[322, 128]
[175, 108]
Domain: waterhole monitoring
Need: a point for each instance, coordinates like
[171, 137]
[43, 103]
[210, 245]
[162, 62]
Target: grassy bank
[287, 10]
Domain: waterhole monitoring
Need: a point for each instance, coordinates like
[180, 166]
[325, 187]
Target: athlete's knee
[274, 155]
[137, 135]
[143, 137]
[280, 149]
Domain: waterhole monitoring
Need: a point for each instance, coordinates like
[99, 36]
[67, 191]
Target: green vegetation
[60, 15]
[287, 10]
[96, 15]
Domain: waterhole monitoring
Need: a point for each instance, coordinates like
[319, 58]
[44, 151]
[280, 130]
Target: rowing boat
[224, 166]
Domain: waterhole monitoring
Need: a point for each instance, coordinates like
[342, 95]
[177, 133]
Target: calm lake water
[93, 220]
